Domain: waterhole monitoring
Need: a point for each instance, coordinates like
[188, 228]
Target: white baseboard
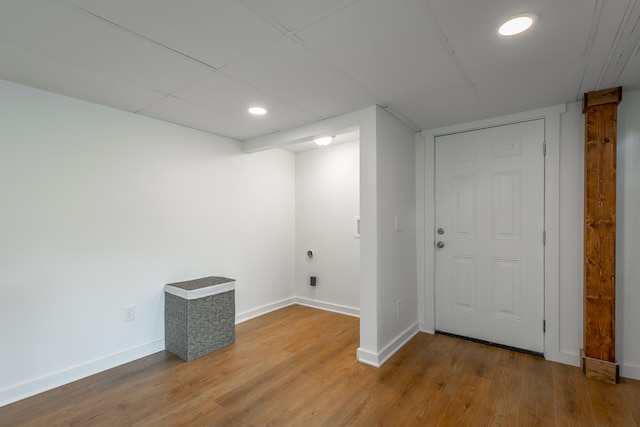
[243, 317]
[395, 345]
[31, 388]
[39, 385]
[389, 350]
[628, 370]
[367, 357]
[424, 328]
[57, 379]
[341, 309]
[563, 356]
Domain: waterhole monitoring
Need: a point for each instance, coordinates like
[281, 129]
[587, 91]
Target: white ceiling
[431, 63]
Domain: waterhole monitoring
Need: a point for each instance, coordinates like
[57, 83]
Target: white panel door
[489, 234]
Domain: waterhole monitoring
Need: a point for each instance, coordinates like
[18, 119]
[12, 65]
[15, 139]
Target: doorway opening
[489, 237]
[327, 209]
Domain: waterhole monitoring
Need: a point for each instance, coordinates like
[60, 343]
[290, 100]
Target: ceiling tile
[387, 46]
[220, 93]
[432, 63]
[292, 14]
[181, 112]
[214, 32]
[68, 35]
[21, 66]
[439, 111]
[218, 104]
[536, 89]
[296, 76]
[560, 34]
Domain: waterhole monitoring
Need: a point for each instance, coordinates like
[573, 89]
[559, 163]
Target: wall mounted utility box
[199, 316]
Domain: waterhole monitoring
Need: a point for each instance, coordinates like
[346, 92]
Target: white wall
[387, 256]
[395, 261]
[564, 305]
[627, 233]
[628, 236]
[327, 202]
[100, 209]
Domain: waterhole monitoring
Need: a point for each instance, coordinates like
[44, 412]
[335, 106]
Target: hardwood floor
[297, 367]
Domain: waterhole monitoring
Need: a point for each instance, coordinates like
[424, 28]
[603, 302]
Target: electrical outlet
[129, 313]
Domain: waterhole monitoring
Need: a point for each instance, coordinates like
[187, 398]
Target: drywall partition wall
[327, 204]
[628, 237]
[368, 236]
[100, 209]
[396, 233]
[365, 122]
[387, 191]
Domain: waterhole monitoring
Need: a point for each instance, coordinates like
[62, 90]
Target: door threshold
[492, 344]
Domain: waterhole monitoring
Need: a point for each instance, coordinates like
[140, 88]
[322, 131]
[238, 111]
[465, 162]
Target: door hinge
[544, 326]
[544, 148]
[544, 237]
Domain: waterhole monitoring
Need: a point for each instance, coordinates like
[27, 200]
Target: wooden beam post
[598, 357]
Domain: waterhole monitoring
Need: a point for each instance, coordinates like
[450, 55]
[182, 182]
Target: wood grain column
[598, 357]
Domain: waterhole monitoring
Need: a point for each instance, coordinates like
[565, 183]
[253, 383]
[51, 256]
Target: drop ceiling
[431, 63]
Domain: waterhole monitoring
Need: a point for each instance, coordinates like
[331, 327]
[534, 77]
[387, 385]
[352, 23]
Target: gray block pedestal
[199, 316]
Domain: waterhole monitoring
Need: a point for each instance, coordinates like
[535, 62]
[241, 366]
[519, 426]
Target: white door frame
[471, 186]
[425, 206]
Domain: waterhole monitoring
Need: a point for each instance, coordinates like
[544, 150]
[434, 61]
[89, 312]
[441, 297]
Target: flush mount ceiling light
[517, 24]
[324, 141]
[257, 111]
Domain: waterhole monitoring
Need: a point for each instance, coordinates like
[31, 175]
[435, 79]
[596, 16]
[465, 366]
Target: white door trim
[425, 200]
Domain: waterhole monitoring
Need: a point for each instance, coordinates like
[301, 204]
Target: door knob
[440, 230]
[440, 245]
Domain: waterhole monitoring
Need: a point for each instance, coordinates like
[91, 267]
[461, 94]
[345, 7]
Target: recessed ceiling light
[517, 24]
[324, 141]
[257, 111]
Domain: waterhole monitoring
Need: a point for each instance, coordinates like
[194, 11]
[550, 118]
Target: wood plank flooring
[297, 367]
